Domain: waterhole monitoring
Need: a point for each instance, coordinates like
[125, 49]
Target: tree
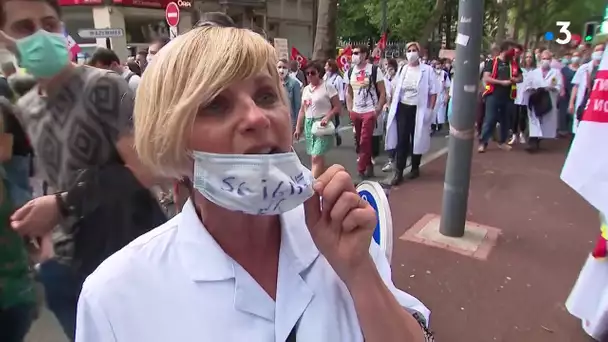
[325, 35]
[406, 19]
[354, 22]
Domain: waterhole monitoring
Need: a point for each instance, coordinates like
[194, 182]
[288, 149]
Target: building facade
[143, 20]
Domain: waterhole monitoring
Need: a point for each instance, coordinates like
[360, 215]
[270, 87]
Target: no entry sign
[172, 14]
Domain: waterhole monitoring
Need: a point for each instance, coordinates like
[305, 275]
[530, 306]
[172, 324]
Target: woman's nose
[253, 117]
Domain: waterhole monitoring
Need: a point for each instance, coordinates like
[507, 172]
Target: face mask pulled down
[43, 54]
[254, 184]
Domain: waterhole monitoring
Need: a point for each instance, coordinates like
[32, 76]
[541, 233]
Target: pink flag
[586, 167]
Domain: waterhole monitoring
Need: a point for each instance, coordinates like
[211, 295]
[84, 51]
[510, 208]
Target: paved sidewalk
[518, 293]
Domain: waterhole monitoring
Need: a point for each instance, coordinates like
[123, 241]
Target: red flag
[297, 56]
[380, 46]
[382, 42]
[585, 169]
[343, 59]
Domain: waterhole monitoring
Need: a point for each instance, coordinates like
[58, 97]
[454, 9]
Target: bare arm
[381, 317]
[335, 107]
[349, 97]
[381, 96]
[489, 80]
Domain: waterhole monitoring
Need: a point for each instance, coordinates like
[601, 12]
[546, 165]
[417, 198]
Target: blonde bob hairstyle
[185, 76]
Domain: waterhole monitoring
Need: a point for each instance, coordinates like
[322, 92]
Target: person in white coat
[332, 76]
[443, 88]
[545, 126]
[253, 255]
[581, 84]
[411, 113]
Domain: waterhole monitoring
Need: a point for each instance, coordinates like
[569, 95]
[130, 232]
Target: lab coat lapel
[422, 134]
[391, 123]
[298, 253]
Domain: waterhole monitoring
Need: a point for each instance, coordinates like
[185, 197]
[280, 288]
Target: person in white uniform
[261, 251]
[581, 82]
[332, 76]
[411, 113]
[443, 88]
[545, 126]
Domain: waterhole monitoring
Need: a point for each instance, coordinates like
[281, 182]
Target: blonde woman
[253, 255]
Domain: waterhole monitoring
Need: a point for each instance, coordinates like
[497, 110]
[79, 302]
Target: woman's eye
[266, 98]
[217, 106]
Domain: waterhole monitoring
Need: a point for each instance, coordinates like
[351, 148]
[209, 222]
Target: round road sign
[374, 194]
[172, 14]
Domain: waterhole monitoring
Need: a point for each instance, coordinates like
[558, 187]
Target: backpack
[372, 81]
[128, 77]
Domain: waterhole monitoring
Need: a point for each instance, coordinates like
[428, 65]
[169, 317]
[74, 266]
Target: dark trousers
[337, 120]
[498, 109]
[520, 119]
[15, 322]
[376, 144]
[481, 113]
[406, 126]
[62, 288]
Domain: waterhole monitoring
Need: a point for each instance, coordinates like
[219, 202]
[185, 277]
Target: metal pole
[462, 132]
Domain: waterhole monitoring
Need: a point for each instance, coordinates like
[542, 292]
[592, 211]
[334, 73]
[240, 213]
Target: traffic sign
[374, 194]
[172, 14]
[101, 33]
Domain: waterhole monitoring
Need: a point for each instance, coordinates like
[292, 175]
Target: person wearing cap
[411, 113]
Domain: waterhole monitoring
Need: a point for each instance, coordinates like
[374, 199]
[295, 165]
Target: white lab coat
[338, 82]
[443, 86]
[424, 116]
[176, 284]
[581, 79]
[545, 127]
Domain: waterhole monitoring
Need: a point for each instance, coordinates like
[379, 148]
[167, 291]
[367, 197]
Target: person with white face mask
[365, 98]
[581, 84]
[154, 47]
[443, 85]
[261, 251]
[543, 126]
[411, 113]
[568, 72]
[293, 89]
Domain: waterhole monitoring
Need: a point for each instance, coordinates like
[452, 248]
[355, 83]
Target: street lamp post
[462, 131]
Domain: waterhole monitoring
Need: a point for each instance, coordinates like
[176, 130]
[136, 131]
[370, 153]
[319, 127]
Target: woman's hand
[297, 132]
[341, 223]
[324, 121]
[37, 217]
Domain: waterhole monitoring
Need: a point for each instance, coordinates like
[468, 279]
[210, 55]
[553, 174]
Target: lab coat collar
[204, 260]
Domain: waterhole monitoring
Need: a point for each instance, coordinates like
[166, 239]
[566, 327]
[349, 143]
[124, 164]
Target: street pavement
[517, 294]
[46, 328]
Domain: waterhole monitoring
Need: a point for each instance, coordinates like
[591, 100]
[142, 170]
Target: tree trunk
[502, 22]
[519, 18]
[431, 24]
[325, 34]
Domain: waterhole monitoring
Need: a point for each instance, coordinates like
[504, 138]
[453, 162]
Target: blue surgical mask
[255, 184]
[565, 61]
[576, 59]
[43, 54]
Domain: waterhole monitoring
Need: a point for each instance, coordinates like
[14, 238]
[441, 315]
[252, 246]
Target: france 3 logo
[564, 35]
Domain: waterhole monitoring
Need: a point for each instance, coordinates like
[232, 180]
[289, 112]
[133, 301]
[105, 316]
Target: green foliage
[361, 19]
[353, 21]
